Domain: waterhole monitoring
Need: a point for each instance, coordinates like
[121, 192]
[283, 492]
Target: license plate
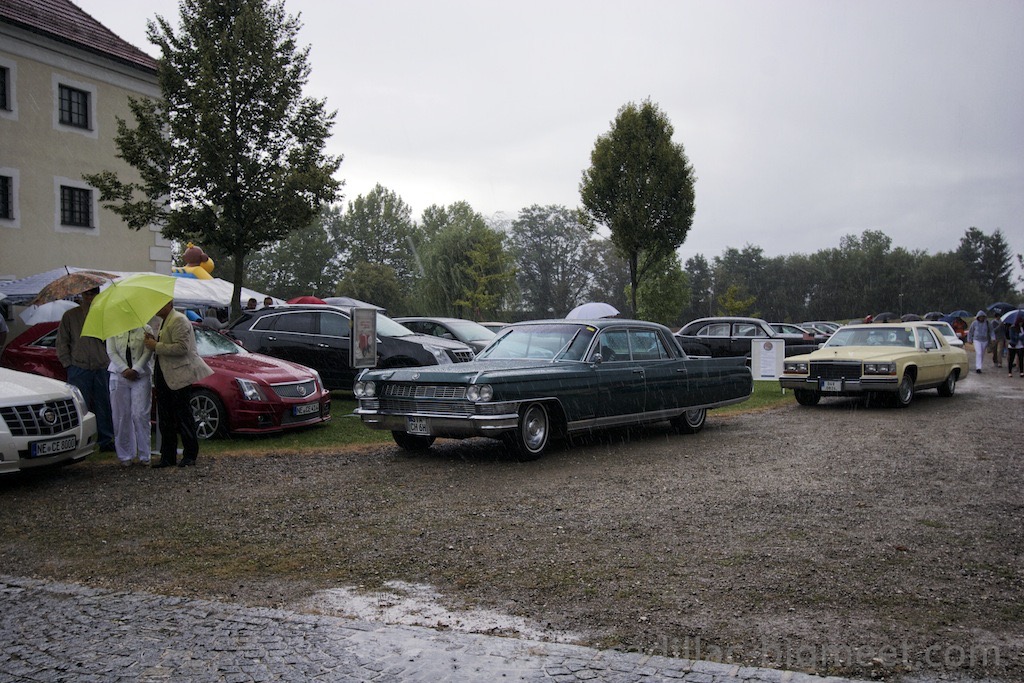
[417, 425]
[306, 409]
[831, 385]
[41, 449]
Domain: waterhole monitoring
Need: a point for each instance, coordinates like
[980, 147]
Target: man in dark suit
[178, 365]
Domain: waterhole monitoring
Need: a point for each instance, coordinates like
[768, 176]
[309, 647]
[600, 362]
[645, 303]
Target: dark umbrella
[887, 317]
[910, 317]
[1011, 317]
[934, 315]
[1000, 308]
[961, 313]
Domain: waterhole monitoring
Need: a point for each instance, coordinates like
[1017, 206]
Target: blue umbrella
[1000, 308]
[960, 313]
[1011, 317]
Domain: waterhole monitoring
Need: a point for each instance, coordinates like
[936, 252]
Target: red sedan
[248, 393]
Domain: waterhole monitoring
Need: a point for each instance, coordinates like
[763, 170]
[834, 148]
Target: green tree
[552, 251]
[232, 157]
[376, 228]
[732, 302]
[665, 294]
[304, 262]
[640, 185]
[990, 263]
[609, 276]
[375, 283]
[701, 279]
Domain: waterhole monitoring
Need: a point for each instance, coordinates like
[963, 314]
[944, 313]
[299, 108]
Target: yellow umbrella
[127, 304]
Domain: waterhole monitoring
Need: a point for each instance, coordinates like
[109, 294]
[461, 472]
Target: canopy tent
[188, 292]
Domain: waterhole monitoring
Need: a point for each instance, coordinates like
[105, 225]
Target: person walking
[86, 362]
[979, 334]
[1015, 344]
[131, 394]
[178, 365]
[998, 342]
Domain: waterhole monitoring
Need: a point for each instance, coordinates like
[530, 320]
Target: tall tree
[552, 253]
[610, 275]
[665, 294]
[232, 157]
[702, 288]
[640, 185]
[304, 262]
[990, 262]
[377, 228]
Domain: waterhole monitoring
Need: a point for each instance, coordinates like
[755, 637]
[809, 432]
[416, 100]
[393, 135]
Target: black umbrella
[961, 313]
[1000, 308]
[934, 315]
[910, 317]
[887, 317]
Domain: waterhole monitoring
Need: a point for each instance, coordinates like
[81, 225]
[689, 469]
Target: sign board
[363, 333]
[766, 358]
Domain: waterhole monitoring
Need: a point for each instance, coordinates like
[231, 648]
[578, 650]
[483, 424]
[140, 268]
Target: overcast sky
[804, 121]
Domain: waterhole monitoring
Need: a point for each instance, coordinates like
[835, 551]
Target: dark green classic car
[549, 378]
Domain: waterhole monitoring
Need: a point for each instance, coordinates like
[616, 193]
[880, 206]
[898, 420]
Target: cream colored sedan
[894, 360]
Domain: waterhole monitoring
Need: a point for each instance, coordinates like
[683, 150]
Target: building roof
[64, 21]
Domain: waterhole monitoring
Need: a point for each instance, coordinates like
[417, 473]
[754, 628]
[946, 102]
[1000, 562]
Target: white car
[948, 332]
[42, 422]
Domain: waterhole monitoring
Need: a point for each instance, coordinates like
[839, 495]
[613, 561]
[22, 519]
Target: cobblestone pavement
[66, 632]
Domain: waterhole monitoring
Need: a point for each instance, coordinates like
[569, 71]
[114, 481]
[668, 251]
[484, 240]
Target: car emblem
[301, 390]
[48, 415]
[416, 375]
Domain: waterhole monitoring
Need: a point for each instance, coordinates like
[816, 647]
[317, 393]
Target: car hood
[258, 366]
[861, 353]
[430, 339]
[474, 370]
[21, 385]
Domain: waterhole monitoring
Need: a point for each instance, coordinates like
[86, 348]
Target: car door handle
[324, 346]
[271, 338]
[638, 371]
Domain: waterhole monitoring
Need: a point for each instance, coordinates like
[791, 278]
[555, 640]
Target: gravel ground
[842, 539]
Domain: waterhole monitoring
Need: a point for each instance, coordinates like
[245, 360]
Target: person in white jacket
[131, 394]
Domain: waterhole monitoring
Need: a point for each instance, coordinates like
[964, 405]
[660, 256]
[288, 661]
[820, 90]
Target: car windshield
[542, 342]
[872, 336]
[386, 327]
[468, 330]
[210, 343]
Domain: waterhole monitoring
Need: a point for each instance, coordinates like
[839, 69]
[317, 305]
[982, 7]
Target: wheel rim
[535, 428]
[951, 383]
[695, 417]
[906, 390]
[207, 416]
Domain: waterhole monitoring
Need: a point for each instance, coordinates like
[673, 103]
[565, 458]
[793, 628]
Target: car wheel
[533, 433]
[208, 412]
[412, 442]
[691, 422]
[905, 392]
[805, 397]
[947, 388]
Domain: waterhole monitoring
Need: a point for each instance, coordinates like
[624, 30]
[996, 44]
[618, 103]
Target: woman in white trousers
[131, 394]
[980, 334]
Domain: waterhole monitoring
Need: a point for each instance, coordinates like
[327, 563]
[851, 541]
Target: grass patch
[767, 395]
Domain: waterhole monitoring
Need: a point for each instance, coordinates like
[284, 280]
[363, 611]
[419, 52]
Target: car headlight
[795, 367]
[879, 368]
[439, 354]
[364, 389]
[319, 382]
[480, 393]
[250, 390]
[76, 394]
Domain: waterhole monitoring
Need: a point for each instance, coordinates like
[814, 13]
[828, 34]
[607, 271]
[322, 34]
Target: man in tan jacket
[178, 365]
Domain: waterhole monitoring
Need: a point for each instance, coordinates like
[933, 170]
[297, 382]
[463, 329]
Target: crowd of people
[1002, 340]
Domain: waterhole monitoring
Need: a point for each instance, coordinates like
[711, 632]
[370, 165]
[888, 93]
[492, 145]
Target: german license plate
[417, 425]
[306, 409]
[41, 449]
[831, 385]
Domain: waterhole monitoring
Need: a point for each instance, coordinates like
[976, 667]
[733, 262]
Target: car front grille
[29, 420]
[462, 356]
[425, 398]
[832, 370]
[296, 389]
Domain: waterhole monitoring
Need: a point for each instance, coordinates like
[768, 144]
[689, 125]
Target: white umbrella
[50, 312]
[591, 310]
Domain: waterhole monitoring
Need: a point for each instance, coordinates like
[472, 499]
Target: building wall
[41, 154]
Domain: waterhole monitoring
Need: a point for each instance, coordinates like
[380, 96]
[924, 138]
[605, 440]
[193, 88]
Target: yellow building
[64, 81]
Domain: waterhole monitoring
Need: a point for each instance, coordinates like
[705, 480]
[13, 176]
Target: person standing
[998, 342]
[131, 394]
[979, 334]
[178, 365]
[1015, 343]
[86, 362]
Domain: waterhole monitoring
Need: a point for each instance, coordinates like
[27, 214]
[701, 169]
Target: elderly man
[178, 365]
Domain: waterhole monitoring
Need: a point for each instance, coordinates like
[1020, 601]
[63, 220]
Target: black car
[726, 336]
[318, 336]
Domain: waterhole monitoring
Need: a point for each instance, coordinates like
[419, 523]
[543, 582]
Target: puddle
[411, 604]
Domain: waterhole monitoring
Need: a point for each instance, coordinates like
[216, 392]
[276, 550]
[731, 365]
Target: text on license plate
[41, 449]
[417, 425]
[831, 385]
[306, 409]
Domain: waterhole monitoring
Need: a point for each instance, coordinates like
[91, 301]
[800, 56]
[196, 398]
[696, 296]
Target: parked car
[732, 336]
[891, 360]
[42, 422]
[494, 326]
[948, 332]
[248, 393]
[318, 336]
[826, 326]
[550, 378]
[799, 332]
[474, 335]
